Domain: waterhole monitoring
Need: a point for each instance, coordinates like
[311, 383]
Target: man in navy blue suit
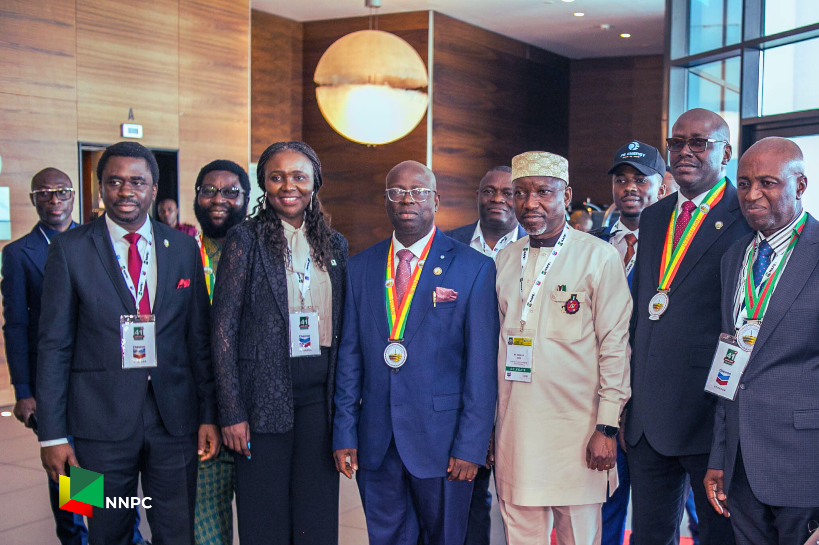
[637, 182]
[416, 382]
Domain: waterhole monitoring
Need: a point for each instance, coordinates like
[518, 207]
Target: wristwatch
[608, 431]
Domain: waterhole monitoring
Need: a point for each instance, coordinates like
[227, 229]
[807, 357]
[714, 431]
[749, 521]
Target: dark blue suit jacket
[604, 233]
[775, 416]
[464, 234]
[671, 357]
[22, 289]
[441, 403]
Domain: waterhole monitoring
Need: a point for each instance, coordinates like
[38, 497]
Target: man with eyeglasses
[124, 356]
[416, 381]
[221, 202]
[562, 365]
[674, 327]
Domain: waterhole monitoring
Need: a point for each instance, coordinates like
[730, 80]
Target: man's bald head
[770, 183]
[709, 122]
[415, 170]
[50, 175]
[696, 172]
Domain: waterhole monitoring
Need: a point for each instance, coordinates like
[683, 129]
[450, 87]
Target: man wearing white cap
[562, 366]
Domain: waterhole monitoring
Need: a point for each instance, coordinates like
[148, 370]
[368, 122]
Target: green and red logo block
[81, 491]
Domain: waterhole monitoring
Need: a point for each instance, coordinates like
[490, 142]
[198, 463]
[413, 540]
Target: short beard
[212, 231]
[536, 232]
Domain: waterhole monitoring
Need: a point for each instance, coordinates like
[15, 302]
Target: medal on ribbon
[673, 256]
[397, 311]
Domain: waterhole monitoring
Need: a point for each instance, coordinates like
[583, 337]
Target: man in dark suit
[766, 440]
[496, 228]
[636, 183]
[127, 421]
[416, 389]
[674, 326]
[22, 286]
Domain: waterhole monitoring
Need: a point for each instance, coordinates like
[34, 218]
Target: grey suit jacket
[775, 416]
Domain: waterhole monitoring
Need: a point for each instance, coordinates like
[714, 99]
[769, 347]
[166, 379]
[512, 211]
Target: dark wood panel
[354, 174]
[613, 101]
[493, 98]
[275, 81]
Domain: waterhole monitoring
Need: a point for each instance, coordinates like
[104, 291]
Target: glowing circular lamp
[371, 87]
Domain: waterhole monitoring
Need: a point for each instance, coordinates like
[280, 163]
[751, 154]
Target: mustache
[126, 201]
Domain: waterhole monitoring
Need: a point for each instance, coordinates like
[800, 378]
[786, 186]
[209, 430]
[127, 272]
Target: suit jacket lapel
[376, 270]
[36, 248]
[162, 265]
[724, 211]
[440, 255]
[733, 266]
[277, 277]
[338, 286]
[102, 241]
[656, 238]
[797, 272]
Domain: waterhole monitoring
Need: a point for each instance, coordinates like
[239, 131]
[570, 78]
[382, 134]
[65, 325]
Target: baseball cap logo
[634, 146]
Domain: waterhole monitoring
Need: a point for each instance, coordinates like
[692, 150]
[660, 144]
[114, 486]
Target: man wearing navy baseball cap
[637, 182]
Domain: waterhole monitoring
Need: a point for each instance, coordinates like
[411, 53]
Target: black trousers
[658, 494]
[756, 523]
[168, 467]
[288, 491]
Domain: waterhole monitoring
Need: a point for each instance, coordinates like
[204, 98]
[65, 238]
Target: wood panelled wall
[354, 174]
[613, 101]
[69, 73]
[493, 98]
[275, 81]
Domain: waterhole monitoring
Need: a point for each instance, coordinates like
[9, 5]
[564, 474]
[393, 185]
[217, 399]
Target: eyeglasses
[696, 145]
[417, 194]
[44, 195]
[229, 193]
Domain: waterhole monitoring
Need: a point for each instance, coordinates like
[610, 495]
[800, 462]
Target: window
[789, 81]
[713, 24]
[782, 15]
[810, 150]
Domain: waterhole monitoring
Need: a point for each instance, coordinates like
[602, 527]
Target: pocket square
[443, 295]
[183, 283]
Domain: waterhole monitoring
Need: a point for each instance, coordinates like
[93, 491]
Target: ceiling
[550, 24]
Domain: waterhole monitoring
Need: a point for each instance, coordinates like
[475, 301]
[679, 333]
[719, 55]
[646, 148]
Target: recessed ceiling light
[625, 35]
[604, 26]
[579, 14]
[568, 0]
[5, 413]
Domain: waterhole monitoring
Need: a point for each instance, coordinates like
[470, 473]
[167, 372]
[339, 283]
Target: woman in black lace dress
[280, 270]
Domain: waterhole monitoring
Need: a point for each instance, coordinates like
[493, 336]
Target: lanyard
[48, 240]
[143, 275]
[500, 245]
[397, 313]
[304, 277]
[756, 305]
[524, 256]
[206, 265]
[673, 256]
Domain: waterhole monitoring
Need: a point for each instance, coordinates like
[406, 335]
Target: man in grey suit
[763, 463]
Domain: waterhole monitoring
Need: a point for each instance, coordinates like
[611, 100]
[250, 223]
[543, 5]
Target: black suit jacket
[775, 415]
[250, 331]
[22, 288]
[464, 233]
[671, 357]
[82, 389]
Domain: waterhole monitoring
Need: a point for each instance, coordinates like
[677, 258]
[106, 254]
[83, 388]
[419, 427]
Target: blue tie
[763, 261]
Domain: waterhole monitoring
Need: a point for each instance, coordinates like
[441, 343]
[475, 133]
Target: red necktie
[135, 269]
[688, 208]
[402, 273]
[630, 241]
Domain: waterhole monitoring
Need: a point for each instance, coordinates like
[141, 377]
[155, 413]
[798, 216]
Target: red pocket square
[443, 295]
[183, 283]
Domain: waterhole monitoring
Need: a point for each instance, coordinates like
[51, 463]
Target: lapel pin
[165, 242]
[705, 208]
[442, 257]
[437, 271]
[719, 225]
[333, 262]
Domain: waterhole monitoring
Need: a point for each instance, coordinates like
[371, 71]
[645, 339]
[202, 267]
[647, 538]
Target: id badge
[519, 347]
[138, 340]
[727, 368]
[304, 334]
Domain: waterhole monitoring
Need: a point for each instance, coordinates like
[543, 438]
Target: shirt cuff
[608, 413]
[22, 391]
[54, 442]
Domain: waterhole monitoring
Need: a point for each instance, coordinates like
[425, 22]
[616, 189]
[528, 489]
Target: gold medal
[658, 305]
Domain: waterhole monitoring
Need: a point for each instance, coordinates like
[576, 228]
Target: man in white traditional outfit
[563, 365]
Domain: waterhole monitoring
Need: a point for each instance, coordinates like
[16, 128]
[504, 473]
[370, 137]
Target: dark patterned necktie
[402, 273]
[763, 261]
[688, 208]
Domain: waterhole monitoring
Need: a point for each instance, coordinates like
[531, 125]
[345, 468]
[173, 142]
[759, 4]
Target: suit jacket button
[742, 386]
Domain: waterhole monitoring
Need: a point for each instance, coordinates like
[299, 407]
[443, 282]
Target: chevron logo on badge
[81, 491]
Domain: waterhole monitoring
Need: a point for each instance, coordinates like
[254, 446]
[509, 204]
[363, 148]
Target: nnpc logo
[84, 489]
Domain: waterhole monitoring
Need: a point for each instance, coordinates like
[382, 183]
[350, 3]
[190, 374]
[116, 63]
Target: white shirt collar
[417, 248]
[696, 200]
[511, 236]
[619, 231]
[117, 232]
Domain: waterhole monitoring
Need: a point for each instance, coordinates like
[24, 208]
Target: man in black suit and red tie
[674, 329]
[124, 356]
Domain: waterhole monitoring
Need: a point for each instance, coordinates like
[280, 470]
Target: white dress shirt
[618, 235]
[479, 243]
[417, 249]
[696, 200]
[121, 246]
